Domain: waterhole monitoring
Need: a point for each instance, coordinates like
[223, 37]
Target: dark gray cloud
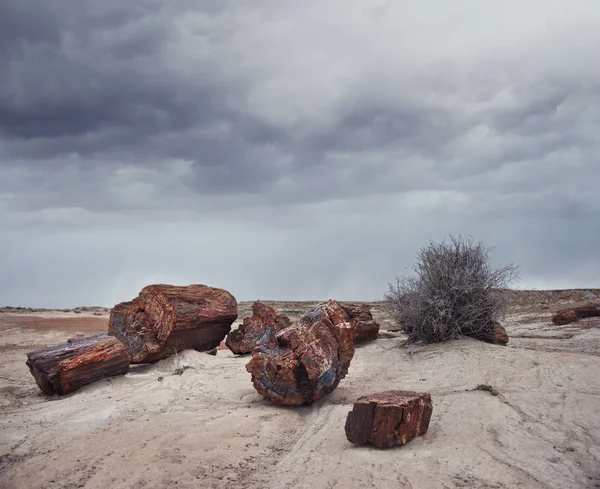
[291, 150]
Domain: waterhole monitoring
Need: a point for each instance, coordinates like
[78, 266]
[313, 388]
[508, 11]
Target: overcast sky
[292, 150]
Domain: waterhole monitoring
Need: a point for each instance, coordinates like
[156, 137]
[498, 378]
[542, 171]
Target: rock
[566, 316]
[361, 321]
[500, 335]
[389, 418]
[77, 337]
[66, 367]
[308, 361]
[258, 330]
[165, 319]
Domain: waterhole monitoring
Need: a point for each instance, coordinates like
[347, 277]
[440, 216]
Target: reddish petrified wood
[566, 316]
[258, 330]
[309, 360]
[389, 418]
[129, 322]
[500, 335]
[165, 319]
[64, 368]
[361, 321]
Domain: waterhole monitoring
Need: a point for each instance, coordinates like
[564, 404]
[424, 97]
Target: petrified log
[165, 319]
[66, 367]
[309, 360]
[566, 316]
[389, 418]
[361, 321]
[258, 330]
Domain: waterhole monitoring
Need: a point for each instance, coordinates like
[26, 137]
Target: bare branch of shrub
[453, 291]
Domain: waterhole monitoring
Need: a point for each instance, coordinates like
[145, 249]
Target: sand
[209, 428]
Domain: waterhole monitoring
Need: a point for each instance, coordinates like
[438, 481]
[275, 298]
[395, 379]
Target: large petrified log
[258, 330]
[66, 367]
[566, 316]
[309, 360]
[389, 418]
[165, 319]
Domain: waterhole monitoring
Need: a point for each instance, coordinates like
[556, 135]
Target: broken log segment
[309, 360]
[129, 322]
[566, 316]
[387, 419]
[166, 319]
[173, 309]
[66, 367]
[361, 321]
[258, 330]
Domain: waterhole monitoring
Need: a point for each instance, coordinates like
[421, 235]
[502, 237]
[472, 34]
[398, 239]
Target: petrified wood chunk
[358, 318]
[165, 319]
[130, 324]
[308, 361]
[361, 321]
[66, 367]
[258, 330]
[389, 418]
[566, 316]
[500, 335]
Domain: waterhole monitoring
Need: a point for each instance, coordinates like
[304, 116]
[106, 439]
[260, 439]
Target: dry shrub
[453, 291]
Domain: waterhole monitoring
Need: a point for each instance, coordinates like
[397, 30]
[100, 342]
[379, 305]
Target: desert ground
[195, 420]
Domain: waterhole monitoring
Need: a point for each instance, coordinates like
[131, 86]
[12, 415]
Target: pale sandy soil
[209, 428]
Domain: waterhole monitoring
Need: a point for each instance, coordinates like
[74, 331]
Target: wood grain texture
[165, 319]
[309, 359]
[257, 330]
[66, 367]
[387, 419]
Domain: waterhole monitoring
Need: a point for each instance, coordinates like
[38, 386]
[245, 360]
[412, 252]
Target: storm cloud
[292, 150]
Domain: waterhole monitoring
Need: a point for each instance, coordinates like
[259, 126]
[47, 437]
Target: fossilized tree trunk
[66, 367]
[258, 330]
[309, 360]
[566, 316]
[165, 319]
